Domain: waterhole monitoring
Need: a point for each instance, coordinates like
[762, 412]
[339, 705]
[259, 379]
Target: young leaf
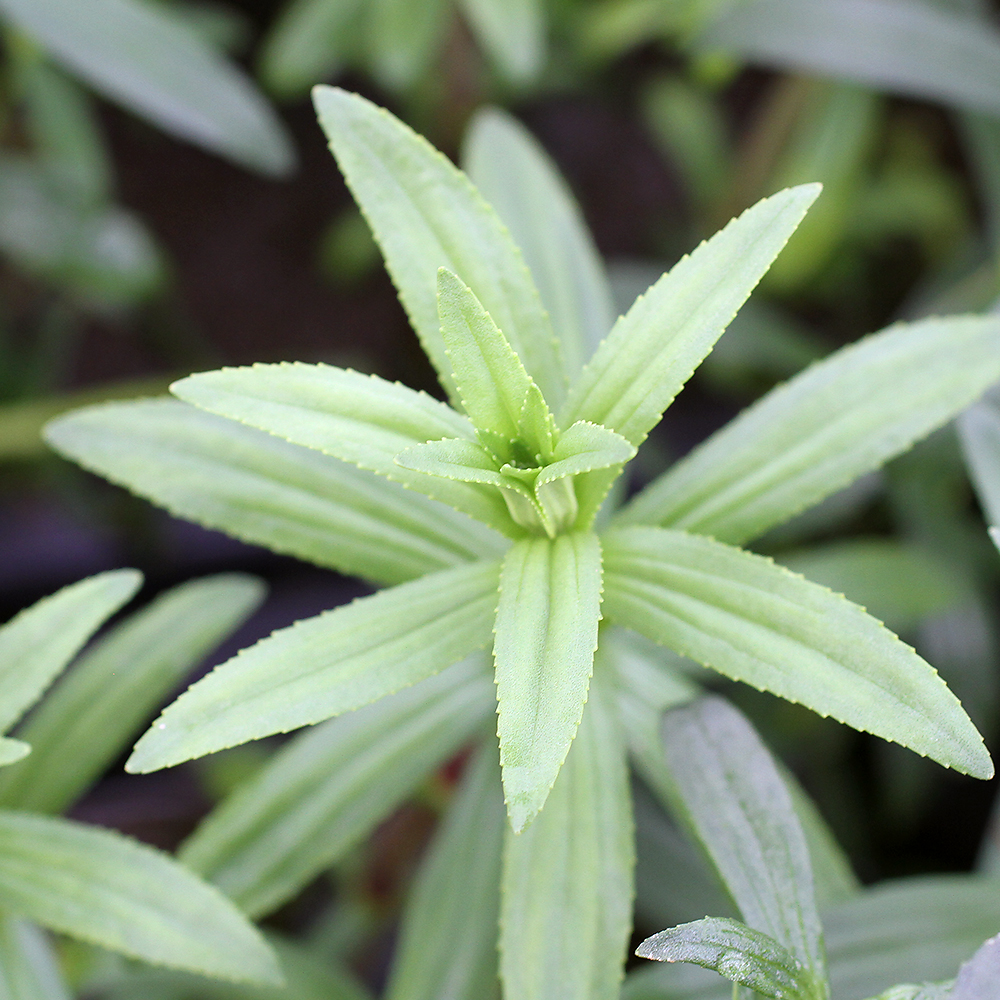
[911, 47]
[563, 936]
[490, 377]
[326, 789]
[756, 622]
[837, 420]
[512, 32]
[519, 180]
[106, 889]
[261, 489]
[583, 448]
[741, 811]
[979, 432]
[546, 634]
[141, 56]
[741, 954]
[327, 665]
[426, 214]
[651, 351]
[979, 978]
[29, 968]
[448, 940]
[99, 706]
[361, 419]
[454, 458]
[37, 644]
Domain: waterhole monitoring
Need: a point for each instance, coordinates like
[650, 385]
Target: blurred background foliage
[167, 205]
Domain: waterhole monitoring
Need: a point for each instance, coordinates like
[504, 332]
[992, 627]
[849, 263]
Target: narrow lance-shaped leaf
[448, 941]
[653, 349]
[37, 644]
[757, 622]
[740, 810]
[979, 432]
[99, 706]
[512, 32]
[490, 378]
[426, 214]
[520, 181]
[834, 422]
[362, 419]
[910, 47]
[29, 968]
[268, 492]
[106, 889]
[744, 956]
[563, 936]
[323, 666]
[329, 787]
[546, 634]
[141, 56]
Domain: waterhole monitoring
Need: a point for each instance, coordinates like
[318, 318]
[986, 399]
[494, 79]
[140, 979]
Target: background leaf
[817, 433]
[546, 634]
[99, 706]
[979, 433]
[918, 49]
[448, 941]
[653, 349]
[327, 665]
[326, 789]
[38, 643]
[512, 32]
[426, 214]
[141, 56]
[754, 621]
[112, 891]
[563, 936]
[268, 492]
[29, 968]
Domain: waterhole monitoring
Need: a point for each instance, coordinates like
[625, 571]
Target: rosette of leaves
[496, 523]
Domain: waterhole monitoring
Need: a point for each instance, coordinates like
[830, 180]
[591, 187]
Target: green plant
[95, 884]
[498, 522]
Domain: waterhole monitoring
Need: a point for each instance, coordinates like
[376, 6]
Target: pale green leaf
[307, 43]
[546, 634]
[739, 808]
[12, 750]
[29, 968]
[98, 707]
[490, 378]
[512, 32]
[333, 663]
[756, 622]
[426, 214]
[360, 419]
[404, 39]
[519, 180]
[566, 904]
[465, 461]
[741, 954]
[448, 940]
[146, 59]
[995, 535]
[653, 349]
[979, 432]
[106, 889]
[38, 643]
[979, 978]
[817, 433]
[329, 787]
[908, 47]
[897, 582]
[262, 490]
[585, 447]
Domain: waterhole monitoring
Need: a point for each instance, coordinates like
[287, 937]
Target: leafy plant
[95, 884]
[497, 521]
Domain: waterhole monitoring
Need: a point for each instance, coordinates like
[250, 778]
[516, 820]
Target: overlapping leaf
[837, 420]
[261, 489]
[324, 666]
[754, 621]
[651, 351]
[104, 888]
[29, 969]
[979, 432]
[546, 634]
